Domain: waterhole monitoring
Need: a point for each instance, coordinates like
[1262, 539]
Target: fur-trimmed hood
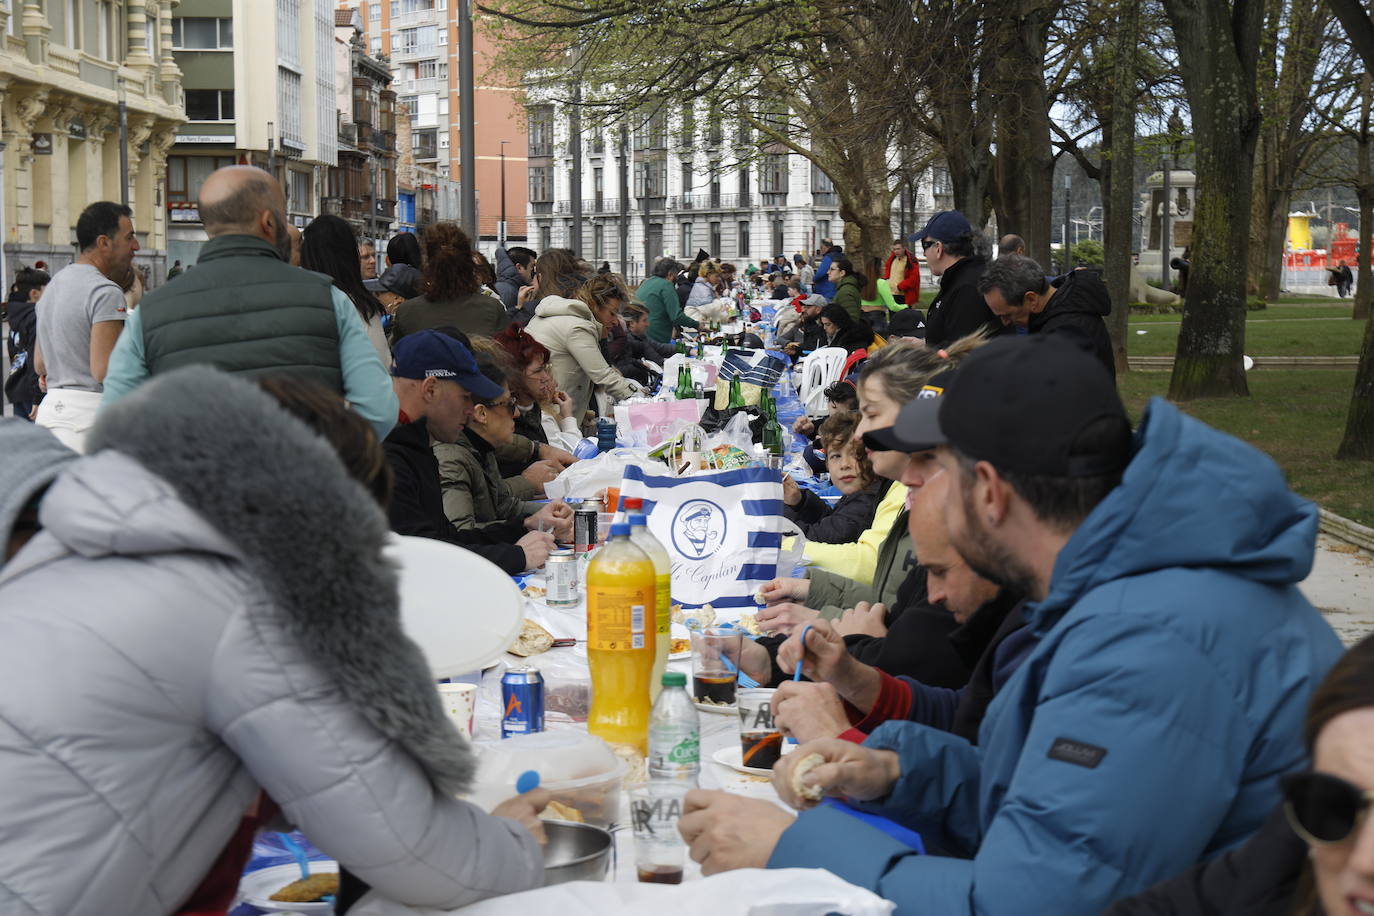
[276, 497]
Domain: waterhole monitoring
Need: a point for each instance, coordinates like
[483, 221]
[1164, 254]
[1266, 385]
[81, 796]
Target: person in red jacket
[903, 274]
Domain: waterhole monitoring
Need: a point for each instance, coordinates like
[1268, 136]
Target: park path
[1341, 585]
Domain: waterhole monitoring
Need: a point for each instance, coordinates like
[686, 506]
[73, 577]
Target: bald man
[848, 699]
[246, 309]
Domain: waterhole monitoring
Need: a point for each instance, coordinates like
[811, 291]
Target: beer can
[561, 578]
[522, 698]
[584, 525]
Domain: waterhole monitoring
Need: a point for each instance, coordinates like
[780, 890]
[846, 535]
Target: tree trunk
[1118, 180]
[866, 208]
[1364, 190]
[1025, 161]
[1358, 443]
[1217, 48]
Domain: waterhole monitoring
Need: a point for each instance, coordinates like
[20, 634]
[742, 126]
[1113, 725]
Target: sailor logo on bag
[699, 529]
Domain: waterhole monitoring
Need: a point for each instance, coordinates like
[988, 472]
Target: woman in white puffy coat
[203, 627]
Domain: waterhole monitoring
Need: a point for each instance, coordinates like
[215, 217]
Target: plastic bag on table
[735, 432]
[793, 891]
[588, 477]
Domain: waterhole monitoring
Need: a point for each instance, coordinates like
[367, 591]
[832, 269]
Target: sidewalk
[1342, 587]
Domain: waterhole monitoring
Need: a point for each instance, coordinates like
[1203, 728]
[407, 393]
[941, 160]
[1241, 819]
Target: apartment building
[362, 187]
[421, 37]
[692, 182]
[259, 78]
[65, 67]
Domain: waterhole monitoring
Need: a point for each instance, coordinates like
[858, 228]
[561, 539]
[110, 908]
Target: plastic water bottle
[674, 734]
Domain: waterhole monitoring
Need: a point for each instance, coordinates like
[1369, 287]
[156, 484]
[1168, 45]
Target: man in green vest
[247, 310]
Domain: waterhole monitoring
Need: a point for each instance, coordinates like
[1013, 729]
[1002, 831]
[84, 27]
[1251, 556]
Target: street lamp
[1068, 184]
[271, 150]
[501, 230]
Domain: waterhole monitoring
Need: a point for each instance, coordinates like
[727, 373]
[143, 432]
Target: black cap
[1022, 403]
[915, 430]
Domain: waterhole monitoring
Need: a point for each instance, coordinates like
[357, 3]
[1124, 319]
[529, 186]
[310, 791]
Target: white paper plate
[731, 755]
[459, 608]
[257, 886]
[678, 631]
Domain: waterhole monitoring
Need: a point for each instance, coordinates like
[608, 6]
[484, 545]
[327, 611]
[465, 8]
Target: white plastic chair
[821, 370]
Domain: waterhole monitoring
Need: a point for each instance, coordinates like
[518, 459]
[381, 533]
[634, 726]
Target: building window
[598, 186]
[185, 174]
[686, 178]
[210, 104]
[416, 41]
[375, 44]
[743, 184]
[652, 133]
[289, 105]
[395, 8]
[545, 237]
[714, 132]
[541, 131]
[743, 250]
[200, 34]
[598, 240]
[415, 6]
[374, 11]
[775, 172]
[686, 246]
[714, 239]
[778, 246]
[822, 228]
[298, 192]
[541, 184]
[596, 143]
[651, 178]
[426, 69]
[288, 33]
[424, 144]
[443, 36]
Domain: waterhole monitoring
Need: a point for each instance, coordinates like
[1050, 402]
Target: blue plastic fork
[797, 671]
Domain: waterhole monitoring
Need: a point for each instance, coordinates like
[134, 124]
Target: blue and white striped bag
[723, 530]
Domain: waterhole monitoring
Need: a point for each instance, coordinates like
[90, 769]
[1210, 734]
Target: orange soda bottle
[621, 639]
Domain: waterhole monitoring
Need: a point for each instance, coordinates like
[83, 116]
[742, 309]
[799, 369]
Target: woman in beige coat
[572, 330]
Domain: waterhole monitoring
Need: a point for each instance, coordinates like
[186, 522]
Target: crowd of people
[1071, 654]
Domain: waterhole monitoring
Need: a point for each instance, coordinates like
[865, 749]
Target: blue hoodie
[1148, 727]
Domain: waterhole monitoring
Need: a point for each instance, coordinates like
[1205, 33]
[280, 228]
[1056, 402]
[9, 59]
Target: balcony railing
[711, 202]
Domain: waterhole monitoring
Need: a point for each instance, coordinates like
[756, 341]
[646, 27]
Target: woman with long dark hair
[849, 284]
[451, 293]
[328, 246]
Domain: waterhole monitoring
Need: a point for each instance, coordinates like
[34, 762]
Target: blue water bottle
[605, 435]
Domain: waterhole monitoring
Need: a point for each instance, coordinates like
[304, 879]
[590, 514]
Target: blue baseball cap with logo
[945, 226]
[432, 354]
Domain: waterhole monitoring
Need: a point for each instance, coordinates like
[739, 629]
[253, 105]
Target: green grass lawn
[1297, 416]
[1272, 313]
[1262, 338]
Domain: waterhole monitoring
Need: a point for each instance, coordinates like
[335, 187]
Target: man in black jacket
[1074, 305]
[21, 388]
[435, 379]
[628, 344]
[952, 250]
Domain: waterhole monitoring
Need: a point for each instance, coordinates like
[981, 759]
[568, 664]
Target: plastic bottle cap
[620, 529]
[638, 521]
[674, 679]
[632, 503]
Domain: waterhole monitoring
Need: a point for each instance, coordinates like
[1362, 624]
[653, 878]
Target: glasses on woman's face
[505, 404]
[1323, 809]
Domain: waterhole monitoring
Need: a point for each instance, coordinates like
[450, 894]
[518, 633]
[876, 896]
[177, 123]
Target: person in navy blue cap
[957, 254]
[435, 378]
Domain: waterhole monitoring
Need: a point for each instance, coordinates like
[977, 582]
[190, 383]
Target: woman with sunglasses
[475, 495]
[1315, 854]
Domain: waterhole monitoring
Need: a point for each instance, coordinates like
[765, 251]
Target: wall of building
[61, 81]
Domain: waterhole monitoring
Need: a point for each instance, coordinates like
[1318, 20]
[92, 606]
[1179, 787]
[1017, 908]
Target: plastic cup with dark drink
[760, 740]
[715, 663]
[659, 849]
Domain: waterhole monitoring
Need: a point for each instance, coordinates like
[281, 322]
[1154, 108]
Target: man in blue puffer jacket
[1148, 727]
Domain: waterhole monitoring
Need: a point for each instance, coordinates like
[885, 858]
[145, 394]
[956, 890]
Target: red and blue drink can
[522, 699]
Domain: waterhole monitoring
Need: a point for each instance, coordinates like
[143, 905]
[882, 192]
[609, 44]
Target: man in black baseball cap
[1174, 655]
[435, 378]
[955, 252]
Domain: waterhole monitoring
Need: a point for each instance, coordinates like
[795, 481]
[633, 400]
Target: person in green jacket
[475, 495]
[848, 287]
[659, 295]
[878, 300]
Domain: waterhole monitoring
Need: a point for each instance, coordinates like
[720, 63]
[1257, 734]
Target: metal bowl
[576, 852]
